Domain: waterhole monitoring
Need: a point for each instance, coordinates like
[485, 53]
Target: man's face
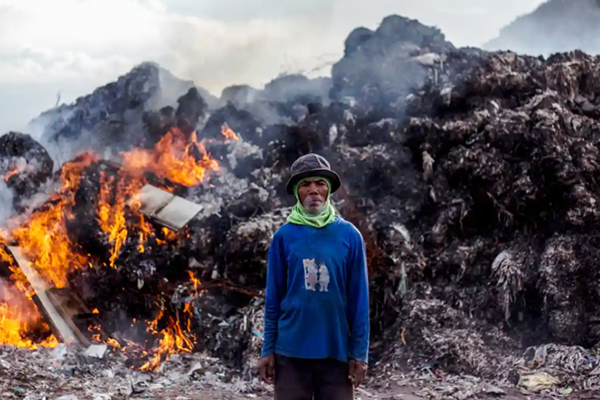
[313, 193]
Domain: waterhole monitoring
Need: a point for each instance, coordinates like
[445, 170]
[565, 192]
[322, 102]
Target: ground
[64, 373]
[399, 394]
[362, 394]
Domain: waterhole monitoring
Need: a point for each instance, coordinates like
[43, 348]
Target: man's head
[315, 167]
[313, 192]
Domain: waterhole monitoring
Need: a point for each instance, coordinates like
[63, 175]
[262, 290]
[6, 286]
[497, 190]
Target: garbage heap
[471, 175]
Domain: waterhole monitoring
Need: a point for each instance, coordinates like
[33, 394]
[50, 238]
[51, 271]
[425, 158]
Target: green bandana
[300, 216]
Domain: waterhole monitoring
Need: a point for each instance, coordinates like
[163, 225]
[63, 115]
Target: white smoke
[58, 50]
[554, 27]
[6, 203]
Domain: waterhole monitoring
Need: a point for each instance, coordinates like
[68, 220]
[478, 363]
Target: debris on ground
[52, 373]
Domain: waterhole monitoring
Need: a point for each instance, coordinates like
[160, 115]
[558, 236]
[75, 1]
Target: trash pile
[471, 175]
[62, 374]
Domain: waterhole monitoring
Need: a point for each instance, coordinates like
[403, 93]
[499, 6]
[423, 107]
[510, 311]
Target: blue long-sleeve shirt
[317, 297]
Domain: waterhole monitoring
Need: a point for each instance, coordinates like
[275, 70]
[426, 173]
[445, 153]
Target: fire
[18, 167]
[4, 256]
[195, 281]
[174, 340]
[15, 322]
[44, 240]
[144, 233]
[9, 174]
[169, 234]
[112, 218]
[175, 158]
[71, 172]
[228, 132]
[18, 316]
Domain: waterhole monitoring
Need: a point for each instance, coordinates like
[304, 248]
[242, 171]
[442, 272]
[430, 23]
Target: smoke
[555, 26]
[59, 50]
[6, 203]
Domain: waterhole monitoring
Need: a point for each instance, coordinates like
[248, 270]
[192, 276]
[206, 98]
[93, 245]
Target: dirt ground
[364, 394]
[361, 394]
[51, 374]
[212, 395]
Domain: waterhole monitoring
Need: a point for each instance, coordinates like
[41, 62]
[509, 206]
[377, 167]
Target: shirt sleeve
[276, 286]
[358, 300]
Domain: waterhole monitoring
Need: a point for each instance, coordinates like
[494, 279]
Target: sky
[61, 49]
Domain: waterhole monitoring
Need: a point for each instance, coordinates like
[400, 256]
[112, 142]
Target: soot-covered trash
[25, 165]
[470, 174]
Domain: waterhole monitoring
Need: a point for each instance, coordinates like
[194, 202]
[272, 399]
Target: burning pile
[471, 175]
[90, 223]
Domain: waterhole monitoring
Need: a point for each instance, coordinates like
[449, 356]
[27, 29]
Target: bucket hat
[312, 165]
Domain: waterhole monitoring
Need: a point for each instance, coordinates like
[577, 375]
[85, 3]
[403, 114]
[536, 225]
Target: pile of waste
[63, 374]
[471, 175]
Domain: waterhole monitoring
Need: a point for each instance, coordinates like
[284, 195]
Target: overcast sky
[73, 46]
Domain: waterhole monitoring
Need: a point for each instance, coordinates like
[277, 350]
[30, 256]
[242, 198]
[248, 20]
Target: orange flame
[9, 174]
[145, 232]
[43, 239]
[174, 340]
[4, 256]
[14, 324]
[112, 218]
[228, 132]
[18, 315]
[173, 158]
[195, 281]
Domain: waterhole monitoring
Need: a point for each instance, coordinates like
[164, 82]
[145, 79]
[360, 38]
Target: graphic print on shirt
[323, 277]
[314, 276]
[310, 274]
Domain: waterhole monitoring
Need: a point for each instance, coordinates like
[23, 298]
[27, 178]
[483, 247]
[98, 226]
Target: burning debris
[470, 174]
[24, 165]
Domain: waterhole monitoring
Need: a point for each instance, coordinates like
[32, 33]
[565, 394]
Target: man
[316, 331]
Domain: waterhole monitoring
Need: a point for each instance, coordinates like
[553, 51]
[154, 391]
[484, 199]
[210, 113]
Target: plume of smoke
[555, 26]
[6, 202]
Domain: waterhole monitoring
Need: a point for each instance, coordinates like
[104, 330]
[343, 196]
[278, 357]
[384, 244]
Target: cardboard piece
[169, 210]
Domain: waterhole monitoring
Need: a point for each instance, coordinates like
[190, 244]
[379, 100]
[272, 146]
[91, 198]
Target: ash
[472, 176]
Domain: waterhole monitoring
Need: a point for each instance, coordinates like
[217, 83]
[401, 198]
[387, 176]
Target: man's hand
[266, 368]
[358, 371]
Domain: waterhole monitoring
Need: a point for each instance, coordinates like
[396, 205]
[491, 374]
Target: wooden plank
[69, 307]
[40, 286]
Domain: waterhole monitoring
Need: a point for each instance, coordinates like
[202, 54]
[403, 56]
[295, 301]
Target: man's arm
[358, 300]
[276, 287]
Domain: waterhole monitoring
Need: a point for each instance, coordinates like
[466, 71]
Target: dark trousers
[306, 379]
